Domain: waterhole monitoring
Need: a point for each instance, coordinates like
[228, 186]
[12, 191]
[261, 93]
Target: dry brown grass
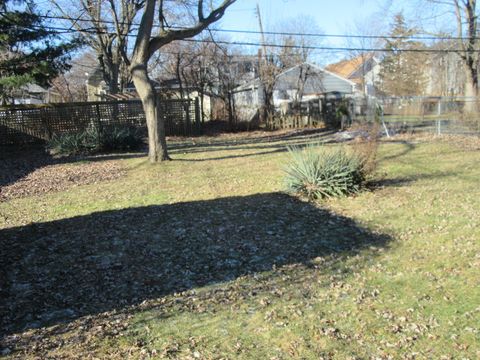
[366, 146]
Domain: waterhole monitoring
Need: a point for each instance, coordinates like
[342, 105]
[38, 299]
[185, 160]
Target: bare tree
[364, 59]
[300, 50]
[72, 85]
[204, 67]
[465, 11]
[465, 14]
[105, 26]
[146, 45]
[296, 50]
[227, 65]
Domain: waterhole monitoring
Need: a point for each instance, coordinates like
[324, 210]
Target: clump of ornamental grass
[92, 141]
[318, 172]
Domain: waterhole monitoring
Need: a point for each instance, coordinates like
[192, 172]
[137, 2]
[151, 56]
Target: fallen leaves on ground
[57, 177]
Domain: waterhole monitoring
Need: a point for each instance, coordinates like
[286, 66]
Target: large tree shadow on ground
[57, 271]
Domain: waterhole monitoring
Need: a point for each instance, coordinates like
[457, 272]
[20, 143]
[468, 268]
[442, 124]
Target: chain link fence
[420, 115]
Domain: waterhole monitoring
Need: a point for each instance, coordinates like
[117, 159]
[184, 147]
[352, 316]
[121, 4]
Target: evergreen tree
[30, 52]
[403, 72]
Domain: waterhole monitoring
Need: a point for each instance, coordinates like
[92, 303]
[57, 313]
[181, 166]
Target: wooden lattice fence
[26, 124]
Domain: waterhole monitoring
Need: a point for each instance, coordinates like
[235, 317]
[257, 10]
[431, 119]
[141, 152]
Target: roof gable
[349, 68]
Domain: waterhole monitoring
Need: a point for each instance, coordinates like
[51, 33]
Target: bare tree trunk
[202, 105]
[110, 70]
[157, 145]
[114, 73]
[471, 90]
[231, 124]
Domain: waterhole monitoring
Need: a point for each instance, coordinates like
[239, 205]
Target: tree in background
[208, 67]
[71, 86]
[229, 70]
[105, 27]
[296, 49]
[362, 47]
[29, 51]
[212, 68]
[299, 49]
[403, 66]
[467, 41]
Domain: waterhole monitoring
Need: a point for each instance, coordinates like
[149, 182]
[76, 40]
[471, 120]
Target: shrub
[322, 173]
[366, 147]
[91, 141]
[85, 142]
[121, 138]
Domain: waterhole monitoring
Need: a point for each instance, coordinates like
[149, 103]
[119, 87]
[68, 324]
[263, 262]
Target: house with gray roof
[315, 81]
[34, 94]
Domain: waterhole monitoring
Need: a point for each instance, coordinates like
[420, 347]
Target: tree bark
[157, 144]
[145, 46]
[471, 90]
[110, 70]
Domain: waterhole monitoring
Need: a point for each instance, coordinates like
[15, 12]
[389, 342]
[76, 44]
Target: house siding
[318, 82]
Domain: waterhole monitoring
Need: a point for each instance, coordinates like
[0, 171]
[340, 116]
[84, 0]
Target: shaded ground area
[58, 271]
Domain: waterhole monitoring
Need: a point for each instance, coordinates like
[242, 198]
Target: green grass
[390, 273]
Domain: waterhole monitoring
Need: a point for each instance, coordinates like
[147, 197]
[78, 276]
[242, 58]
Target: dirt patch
[57, 177]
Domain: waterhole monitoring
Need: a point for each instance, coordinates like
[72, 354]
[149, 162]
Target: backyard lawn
[206, 257]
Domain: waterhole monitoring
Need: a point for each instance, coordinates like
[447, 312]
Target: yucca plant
[84, 142]
[318, 173]
[122, 138]
[91, 141]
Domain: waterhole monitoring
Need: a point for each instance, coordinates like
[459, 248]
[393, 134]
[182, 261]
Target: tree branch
[166, 37]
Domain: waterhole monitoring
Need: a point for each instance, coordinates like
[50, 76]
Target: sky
[360, 17]
[340, 17]
[330, 17]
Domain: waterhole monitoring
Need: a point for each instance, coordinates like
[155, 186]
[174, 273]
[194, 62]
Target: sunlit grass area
[206, 257]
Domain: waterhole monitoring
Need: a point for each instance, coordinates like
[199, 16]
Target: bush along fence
[29, 124]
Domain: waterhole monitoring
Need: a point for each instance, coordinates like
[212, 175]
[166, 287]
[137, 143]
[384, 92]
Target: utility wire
[63, 30]
[238, 31]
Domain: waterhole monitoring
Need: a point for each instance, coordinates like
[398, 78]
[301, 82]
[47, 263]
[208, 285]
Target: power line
[238, 31]
[91, 31]
[284, 46]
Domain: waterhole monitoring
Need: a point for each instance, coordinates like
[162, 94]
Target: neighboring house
[35, 94]
[245, 68]
[167, 89]
[171, 89]
[314, 80]
[96, 85]
[363, 70]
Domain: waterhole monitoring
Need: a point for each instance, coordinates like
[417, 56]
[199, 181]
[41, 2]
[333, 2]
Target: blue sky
[331, 17]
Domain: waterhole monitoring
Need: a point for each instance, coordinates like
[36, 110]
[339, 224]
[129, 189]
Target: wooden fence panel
[24, 124]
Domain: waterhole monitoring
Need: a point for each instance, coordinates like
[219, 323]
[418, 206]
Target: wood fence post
[46, 124]
[197, 117]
